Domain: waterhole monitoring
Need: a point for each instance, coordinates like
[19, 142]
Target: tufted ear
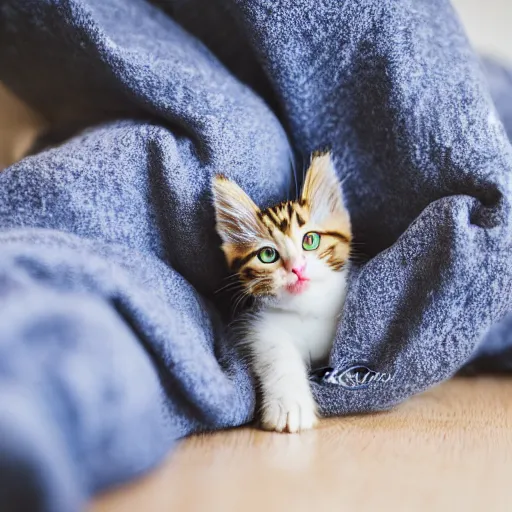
[236, 214]
[322, 189]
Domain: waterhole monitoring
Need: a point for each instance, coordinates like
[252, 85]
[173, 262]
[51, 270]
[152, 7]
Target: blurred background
[489, 25]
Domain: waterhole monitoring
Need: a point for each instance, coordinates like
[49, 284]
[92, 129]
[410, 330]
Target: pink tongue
[298, 287]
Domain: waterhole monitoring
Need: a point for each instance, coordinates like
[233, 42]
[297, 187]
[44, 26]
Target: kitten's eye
[311, 241]
[268, 255]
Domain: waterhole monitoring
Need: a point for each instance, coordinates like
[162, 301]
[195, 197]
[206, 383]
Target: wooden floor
[449, 449]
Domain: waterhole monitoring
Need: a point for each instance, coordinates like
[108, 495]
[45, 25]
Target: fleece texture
[113, 343]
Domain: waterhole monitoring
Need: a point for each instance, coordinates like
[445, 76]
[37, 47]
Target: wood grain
[448, 449]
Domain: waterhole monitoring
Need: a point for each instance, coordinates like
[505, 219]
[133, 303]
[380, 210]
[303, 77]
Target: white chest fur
[286, 337]
[308, 320]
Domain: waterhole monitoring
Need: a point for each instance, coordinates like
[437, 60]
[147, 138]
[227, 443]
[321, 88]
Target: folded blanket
[112, 341]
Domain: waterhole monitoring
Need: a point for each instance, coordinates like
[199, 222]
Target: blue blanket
[113, 343]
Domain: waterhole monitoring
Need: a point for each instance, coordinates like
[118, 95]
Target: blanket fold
[113, 341]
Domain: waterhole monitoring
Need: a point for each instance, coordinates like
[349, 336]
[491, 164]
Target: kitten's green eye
[268, 255]
[311, 241]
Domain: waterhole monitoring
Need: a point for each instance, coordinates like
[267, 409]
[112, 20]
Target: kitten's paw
[291, 413]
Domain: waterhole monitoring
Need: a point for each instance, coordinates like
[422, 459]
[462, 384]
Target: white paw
[292, 412]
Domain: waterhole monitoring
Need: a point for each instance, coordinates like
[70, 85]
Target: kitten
[293, 259]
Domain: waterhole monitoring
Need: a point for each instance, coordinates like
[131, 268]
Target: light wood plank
[448, 449]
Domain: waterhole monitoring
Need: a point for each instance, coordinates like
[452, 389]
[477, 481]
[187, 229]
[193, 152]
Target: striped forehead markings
[280, 216]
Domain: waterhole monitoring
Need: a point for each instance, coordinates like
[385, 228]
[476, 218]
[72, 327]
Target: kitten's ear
[322, 189]
[235, 212]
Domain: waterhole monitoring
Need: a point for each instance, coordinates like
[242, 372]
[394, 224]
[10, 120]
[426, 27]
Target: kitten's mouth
[298, 287]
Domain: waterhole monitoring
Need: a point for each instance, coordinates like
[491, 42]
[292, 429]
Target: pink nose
[299, 271]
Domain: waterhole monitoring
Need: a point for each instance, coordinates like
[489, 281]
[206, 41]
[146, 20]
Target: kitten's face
[289, 248]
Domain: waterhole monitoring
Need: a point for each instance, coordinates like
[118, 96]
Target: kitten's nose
[299, 271]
